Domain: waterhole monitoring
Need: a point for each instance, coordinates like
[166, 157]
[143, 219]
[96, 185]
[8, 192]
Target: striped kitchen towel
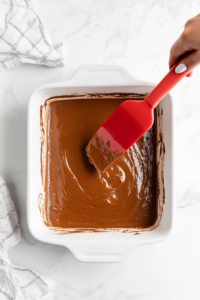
[24, 38]
[16, 283]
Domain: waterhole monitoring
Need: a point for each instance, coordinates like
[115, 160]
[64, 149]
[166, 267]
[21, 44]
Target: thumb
[188, 63]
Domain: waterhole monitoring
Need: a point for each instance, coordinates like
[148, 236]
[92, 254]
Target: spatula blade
[119, 132]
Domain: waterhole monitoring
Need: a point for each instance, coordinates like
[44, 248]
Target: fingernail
[180, 69]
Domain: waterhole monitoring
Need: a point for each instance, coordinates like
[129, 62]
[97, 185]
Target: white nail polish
[180, 69]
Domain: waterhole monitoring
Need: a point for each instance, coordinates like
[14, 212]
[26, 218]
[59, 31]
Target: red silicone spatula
[127, 124]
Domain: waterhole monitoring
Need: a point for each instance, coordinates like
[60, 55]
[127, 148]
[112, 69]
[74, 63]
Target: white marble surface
[137, 35]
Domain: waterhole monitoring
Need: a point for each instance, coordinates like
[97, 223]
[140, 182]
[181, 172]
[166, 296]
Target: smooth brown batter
[76, 195]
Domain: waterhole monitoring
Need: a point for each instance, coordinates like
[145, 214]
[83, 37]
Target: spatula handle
[165, 85]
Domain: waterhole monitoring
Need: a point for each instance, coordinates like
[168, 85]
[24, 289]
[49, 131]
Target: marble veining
[137, 35]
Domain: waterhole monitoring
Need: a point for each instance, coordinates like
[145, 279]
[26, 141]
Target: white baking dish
[105, 246]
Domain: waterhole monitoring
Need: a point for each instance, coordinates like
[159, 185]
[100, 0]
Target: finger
[189, 63]
[179, 48]
[175, 52]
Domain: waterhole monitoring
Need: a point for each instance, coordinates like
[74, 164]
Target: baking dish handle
[102, 252]
[103, 75]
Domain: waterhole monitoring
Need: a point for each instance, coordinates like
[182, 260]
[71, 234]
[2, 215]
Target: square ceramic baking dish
[93, 246]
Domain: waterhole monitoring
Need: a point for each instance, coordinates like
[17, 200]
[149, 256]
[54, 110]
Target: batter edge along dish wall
[129, 198]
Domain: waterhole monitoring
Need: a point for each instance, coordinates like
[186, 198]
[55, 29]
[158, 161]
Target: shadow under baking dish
[128, 196]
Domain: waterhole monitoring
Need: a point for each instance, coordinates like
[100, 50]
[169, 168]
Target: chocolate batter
[76, 195]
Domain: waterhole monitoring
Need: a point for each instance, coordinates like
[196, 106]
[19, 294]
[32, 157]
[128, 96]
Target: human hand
[188, 41]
